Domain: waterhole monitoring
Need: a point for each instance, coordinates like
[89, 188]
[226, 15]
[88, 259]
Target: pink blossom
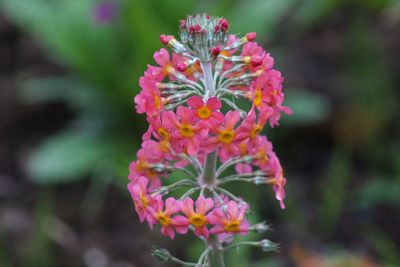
[142, 200]
[226, 136]
[266, 94]
[149, 100]
[198, 217]
[253, 124]
[208, 111]
[167, 66]
[167, 217]
[186, 131]
[229, 220]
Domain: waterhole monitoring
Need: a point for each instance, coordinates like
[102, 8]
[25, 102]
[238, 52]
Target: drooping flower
[142, 200]
[149, 100]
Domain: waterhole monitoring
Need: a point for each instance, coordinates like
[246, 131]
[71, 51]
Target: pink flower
[169, 222]
[146, 156]
[229, 220]
[261, 151]
[279, 181]
[198, 218]
[254, 55]
[149, 100]
[206, 111]
[266, 94]
[186, 131]
[253, 124]
[226, 136]
[167, 66]
[141, 199]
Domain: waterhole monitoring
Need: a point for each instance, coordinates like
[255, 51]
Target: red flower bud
[182, 23]
[224, 24]
[215, 51]
[166, 38]
[181, 66]
[251, 36]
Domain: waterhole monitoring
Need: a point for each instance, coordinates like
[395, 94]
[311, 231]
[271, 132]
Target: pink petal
[187, 206]
[203, 205]
[232, 209]
[213, 103]
[162, 57]
[195, 102]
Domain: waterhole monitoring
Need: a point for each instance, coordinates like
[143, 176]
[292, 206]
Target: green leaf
[378, 191]
[65, 158]
[261, 16]
[308, 107]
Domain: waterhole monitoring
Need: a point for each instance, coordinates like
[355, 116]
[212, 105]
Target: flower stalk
[184, 99]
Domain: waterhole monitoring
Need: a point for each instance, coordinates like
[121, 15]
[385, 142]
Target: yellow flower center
[232, 226]
[226, 136]
[257, 98]
[157, 102]
[167, 69]
[204, 113]
[243, 149]
[255, 131]
[246, 59]
[164, 145]
[142, 165]
[144, 200]
[197, 220]
[163, 219]
[186, 130]
[262, 156]
[163, 133]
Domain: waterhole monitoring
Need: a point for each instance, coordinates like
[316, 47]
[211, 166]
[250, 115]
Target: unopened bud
[215, 51]
[260, 227]
[166, 38]
[181, 66]
[251, 36]
[267, 245]
[223, 24]
[161, 254]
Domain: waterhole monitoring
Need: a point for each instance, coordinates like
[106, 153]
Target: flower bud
[260, 227]
[166, 38]
[267, 245]
[161, 254]
[215, 51]
[223, 24]
[181, 66]
[251, 36]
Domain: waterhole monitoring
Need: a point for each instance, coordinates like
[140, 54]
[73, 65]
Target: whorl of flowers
[199, 126]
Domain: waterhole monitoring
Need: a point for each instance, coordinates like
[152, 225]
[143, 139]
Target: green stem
[216, 253]
[209, 177]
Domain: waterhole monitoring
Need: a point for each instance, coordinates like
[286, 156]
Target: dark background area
[69, 70]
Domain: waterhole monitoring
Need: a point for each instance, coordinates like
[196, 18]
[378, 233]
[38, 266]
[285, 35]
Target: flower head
[199, 129]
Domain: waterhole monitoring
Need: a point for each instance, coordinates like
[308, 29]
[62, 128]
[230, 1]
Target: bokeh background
[69, 70]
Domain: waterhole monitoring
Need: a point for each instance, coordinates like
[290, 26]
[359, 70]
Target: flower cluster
[206, 104]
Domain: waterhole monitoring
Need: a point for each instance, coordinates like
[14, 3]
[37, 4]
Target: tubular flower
[196, 128]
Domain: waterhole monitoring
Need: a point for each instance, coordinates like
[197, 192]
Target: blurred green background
[69, 70]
